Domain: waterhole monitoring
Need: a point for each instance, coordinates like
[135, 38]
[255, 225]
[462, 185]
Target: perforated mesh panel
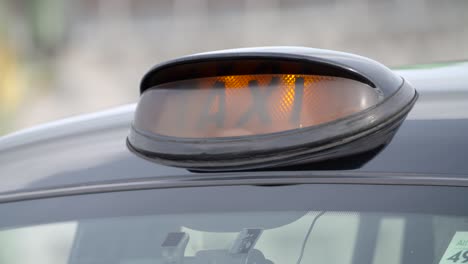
[242, 105]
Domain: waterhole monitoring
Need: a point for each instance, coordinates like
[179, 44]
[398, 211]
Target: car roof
[91, 149]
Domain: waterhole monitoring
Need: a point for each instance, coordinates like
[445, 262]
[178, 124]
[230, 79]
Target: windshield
[283, 224]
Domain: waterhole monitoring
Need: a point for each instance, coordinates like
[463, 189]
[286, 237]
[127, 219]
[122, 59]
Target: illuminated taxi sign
[246, 105]
[266, 107]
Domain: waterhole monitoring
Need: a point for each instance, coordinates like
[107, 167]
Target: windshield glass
[336, 237]
[284, 224]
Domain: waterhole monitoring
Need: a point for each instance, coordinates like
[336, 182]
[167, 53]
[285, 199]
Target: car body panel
[91, 149]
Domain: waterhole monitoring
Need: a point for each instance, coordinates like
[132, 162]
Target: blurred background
[60, 58]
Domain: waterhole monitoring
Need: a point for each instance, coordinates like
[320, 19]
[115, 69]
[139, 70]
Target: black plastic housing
[345, 137]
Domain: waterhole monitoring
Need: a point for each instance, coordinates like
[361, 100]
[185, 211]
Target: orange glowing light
[241, 105]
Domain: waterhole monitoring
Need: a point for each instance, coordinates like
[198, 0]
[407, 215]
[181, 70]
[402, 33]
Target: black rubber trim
[237, 179]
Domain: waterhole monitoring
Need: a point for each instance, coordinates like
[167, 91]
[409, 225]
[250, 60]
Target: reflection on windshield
[49, 243]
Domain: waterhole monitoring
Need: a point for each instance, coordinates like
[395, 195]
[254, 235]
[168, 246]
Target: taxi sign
[244, 105]
[266, 107]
